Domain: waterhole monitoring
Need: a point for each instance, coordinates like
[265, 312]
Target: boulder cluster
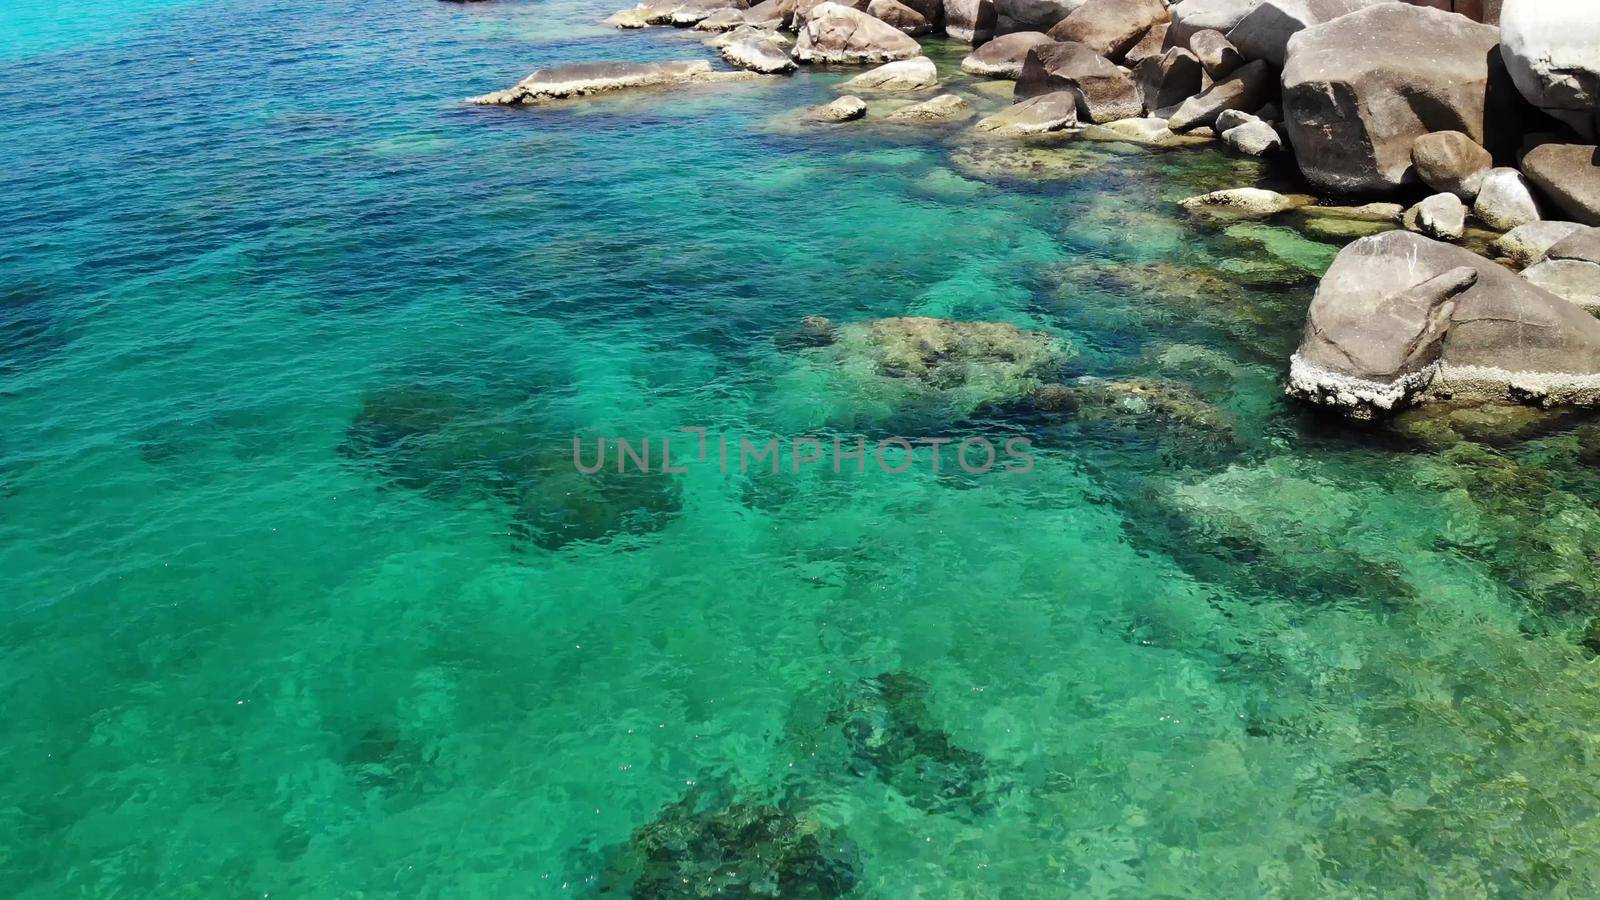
[1471, 119]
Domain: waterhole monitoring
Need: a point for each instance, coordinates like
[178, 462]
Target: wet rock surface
[709, 844]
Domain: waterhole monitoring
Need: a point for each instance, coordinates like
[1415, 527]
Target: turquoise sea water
[300, 601]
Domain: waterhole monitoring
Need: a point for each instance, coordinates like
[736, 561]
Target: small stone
[1505, 200]
[1441, 216]
[1254, 138]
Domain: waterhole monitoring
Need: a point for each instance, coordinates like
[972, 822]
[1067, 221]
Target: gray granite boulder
[1035, 115]
[1003, 56]
[1170, 79]
[1246, 90]
[1573, 280]
[1191, 16]
[1552, 49]
[1569, 175]
[1106, 92]
[969, 21]
[1151, 46]
[1401, 319]
[837, 34]
[900, 16]
[1264, 32]
[1245, 203]
[1505, 200]
[1110, 27]
[771, 14]
[759, 54]
[1360, 90]
[1451, 161]
[1031, 15]
[1220, 57]
[1252, 138]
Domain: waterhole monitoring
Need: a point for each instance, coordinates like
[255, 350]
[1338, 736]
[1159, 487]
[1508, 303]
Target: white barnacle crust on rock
[1401, 319]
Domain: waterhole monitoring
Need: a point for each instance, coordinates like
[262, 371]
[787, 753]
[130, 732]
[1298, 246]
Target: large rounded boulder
[1360, 90]
[838, 34]
[1106, 92]
[1110, 27]
[1552, 49]
[1569, 174]
[1401, 319]
[1003, 56]
[1192, 16]
[1031, 15]
[1265, 31]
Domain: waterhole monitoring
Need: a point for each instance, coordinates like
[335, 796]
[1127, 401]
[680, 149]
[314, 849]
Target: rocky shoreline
[1439, 118]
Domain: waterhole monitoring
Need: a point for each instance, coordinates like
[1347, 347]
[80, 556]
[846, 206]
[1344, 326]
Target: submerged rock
[1360, 90]
[705, 845]
[834, 33]
[1401, 319]
[1036, 115]
[1147, 132]
[436, 442]
[887, 732]
[1003, 56]
[901, 364]
[586, 79]
[1025, 163]
[905, 75]
[1162, 408]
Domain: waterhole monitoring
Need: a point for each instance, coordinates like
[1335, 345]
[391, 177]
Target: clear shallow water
[290, 336]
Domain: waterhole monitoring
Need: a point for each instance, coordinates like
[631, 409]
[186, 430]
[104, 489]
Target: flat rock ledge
[588, 79]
